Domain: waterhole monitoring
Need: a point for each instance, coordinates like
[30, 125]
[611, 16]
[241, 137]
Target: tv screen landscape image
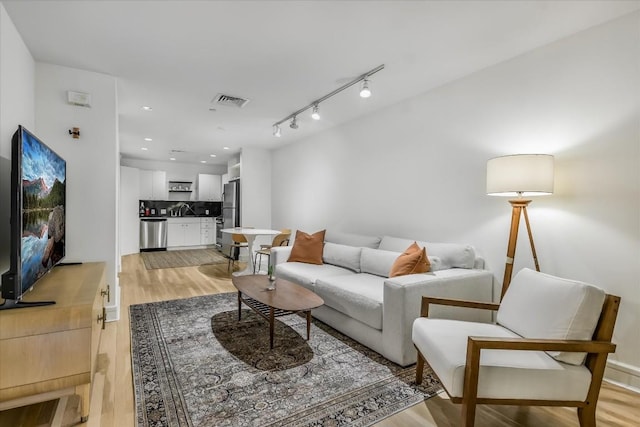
[37, 217]
[43, 181]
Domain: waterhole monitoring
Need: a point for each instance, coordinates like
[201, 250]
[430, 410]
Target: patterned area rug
[195, 364]
[186, 258]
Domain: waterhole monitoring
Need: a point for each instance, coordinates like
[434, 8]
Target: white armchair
[549, 347]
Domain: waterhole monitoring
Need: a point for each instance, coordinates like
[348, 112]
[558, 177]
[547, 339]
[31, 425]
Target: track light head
[294, 123]
[315, 104]
[365, 92]
[315, 115]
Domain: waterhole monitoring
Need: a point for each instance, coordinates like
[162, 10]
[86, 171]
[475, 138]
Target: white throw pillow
[378, 262]
[349, 239]
[342, 256]
[539, 305]
[449, 255]
[452, 255]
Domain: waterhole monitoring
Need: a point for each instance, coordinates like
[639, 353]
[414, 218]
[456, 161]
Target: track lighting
[315, 115]
[365, 92]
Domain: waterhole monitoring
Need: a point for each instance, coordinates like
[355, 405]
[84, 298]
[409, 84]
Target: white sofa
[361, 301]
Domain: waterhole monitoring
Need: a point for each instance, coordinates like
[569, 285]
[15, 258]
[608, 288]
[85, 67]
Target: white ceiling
[177, 55]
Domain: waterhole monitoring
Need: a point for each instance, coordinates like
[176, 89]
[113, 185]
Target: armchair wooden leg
[468, 413]
[587, 416]
[419, 368]
[470, 389]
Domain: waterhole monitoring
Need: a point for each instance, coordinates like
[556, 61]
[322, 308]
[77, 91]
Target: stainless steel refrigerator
[230, 214]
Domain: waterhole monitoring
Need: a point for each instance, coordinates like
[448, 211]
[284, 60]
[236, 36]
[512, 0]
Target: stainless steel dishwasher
[153, 234]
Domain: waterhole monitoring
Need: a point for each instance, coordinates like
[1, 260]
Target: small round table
[250, 234]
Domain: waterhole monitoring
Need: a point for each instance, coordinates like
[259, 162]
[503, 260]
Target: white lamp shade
[520, 175]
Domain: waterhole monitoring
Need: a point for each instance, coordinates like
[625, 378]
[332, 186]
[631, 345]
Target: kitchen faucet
[185, 211]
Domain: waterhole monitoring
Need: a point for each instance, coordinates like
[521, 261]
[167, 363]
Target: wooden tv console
[50, 351]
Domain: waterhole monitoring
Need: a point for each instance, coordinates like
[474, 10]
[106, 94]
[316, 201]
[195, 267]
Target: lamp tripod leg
[519, 205]
[511, 248]
[533, 247]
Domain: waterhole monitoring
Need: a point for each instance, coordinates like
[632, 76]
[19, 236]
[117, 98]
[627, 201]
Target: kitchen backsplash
[169, 208]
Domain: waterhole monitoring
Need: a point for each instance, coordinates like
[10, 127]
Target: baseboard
[623, 374]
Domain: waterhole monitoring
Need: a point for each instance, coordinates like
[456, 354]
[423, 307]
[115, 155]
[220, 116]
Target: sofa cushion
[376, 261]
[349, 239]
[412, 261]
[450, 255]
[306, 274]
[503, 374]
[358, 296]
[342, 255]
[307, 247]
[539, 305]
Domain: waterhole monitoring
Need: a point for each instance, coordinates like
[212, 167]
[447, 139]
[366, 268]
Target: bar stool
[281, 239]
[237, 241]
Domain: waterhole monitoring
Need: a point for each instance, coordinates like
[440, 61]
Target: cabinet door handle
[102, 318]
[107, 293]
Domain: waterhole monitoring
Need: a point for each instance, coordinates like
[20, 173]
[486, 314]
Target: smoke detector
[229, 101]
[80, 99]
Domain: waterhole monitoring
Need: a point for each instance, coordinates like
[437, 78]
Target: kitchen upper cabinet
[233, 167]
[146, 184]
[209, 187]
[153, 185]
[159, 185]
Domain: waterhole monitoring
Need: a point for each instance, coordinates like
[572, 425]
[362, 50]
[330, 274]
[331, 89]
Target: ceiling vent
[229, 101]
[178, 151]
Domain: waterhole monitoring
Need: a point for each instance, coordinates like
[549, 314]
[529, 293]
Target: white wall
[129, 219]
[417, 169]
[17, 69]
[92, 160]
[255, 190]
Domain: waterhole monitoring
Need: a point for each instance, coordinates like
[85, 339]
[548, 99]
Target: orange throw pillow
[307, 247]
[412, 261]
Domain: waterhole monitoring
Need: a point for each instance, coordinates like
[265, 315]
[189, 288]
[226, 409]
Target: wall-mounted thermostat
[79, 98]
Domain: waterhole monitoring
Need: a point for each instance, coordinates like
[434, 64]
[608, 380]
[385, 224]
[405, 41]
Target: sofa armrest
[279, 254]
[403, 298]
[536, 344]
[424, 312]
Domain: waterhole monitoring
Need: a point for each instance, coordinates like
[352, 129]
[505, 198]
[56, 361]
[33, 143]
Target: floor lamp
[520, 175]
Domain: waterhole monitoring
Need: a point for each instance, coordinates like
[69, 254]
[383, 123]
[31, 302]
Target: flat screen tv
[38, 200]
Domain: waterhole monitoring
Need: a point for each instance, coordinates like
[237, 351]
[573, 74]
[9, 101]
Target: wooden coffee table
[287, 298]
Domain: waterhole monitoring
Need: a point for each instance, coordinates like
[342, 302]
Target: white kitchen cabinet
[233, 167]
[146, 184]
[192, 234]
[183, 232]
[207, 231]
[175, 234]
[153, 185]
[159, 185]
[209, 187]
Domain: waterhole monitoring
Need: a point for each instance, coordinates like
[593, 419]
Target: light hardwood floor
[113, 404]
